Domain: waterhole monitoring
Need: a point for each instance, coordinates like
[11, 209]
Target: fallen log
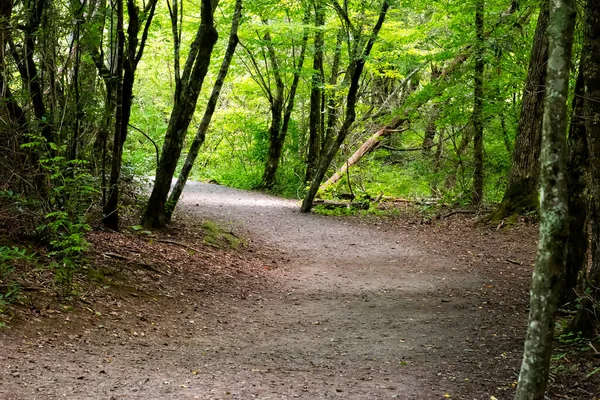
[425, 201]
[373, 142]
[368, 146]
[361, 205]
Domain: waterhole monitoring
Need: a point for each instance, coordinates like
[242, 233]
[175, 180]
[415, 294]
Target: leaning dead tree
[436, 87]
[367, 147]
[353, 74]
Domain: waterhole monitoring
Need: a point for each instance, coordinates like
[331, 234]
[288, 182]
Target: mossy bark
[586, 317]
[315, 136]
[577, 184]
[477, 117]
[522, 191]
[207, 117]
[550, 262]
[186, 97]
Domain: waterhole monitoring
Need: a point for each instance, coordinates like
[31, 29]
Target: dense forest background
[350, 100]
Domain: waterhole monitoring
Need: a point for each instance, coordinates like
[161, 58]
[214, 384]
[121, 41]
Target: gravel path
[361, 312]
[353, 311]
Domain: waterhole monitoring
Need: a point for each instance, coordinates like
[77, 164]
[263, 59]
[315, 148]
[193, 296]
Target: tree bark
[127, 61]
[577, 184]
[522, 191]
[354, 72]
[193, 75]
[550, 262]
[279, 123]
[275, 135]
[208, 113]
[588, 313]
[110, 211]
[332, 103]
[13, 110]
[316, 94]
[430, 128]
[477, 198]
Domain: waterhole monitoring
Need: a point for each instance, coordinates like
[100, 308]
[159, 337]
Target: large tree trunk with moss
[577, 184]
[477, 117]
[550, 262]
[587, 316]
[189, 87]
[522, 191]
[354, 73]
[208, 113]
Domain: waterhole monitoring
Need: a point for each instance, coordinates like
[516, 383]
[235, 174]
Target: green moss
[519, 199]
[216, 236]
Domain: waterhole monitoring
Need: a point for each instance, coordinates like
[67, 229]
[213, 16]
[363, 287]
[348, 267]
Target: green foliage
[72, 193]
[10, 258]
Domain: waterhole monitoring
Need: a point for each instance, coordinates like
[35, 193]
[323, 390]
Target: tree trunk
[276, 140]
[279, 124]
[332, 106]
[354, 71]
[477, 198]
[550, 262]
[522, 191]
[577, 184]
[316, 94]
[208, 113]
[127, 63]
[430, 128]
[588, 313]
[185, 104]
[110, 211]
[13, 109]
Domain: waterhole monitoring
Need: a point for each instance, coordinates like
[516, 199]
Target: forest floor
[309, 307]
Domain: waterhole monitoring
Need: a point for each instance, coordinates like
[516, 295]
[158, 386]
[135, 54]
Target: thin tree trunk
[127, 62]
[588, 313]
[354, 71]
[522, 191]
[110, 211]
[477, 198]
[192, 79]
[208, 113]
[316, 94]
[430, 128]
[333, 106]
[550, 262]
[29, 70]
[279, 123]
[13, 109]
[577, 183]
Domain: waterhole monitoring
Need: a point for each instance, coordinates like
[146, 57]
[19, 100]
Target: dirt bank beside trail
[329, 308]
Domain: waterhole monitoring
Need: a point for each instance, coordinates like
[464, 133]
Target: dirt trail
[353, 311]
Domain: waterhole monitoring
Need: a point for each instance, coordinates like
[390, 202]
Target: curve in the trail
[367, 256]
[357, 304]
[356, 311]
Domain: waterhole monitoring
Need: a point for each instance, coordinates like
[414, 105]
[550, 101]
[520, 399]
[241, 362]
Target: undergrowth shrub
[71, 195]
[10, 259]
